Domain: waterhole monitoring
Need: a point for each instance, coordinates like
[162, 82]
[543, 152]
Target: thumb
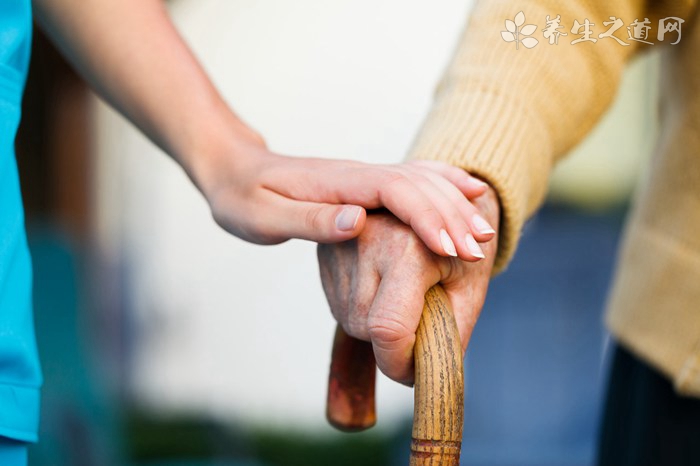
[322, 223]
[392, 322]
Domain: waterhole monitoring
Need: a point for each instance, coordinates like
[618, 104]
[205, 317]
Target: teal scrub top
[20, 375]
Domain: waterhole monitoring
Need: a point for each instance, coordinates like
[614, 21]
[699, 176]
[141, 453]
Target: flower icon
[515, 31]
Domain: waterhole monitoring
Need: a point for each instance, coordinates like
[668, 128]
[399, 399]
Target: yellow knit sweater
[508, 114]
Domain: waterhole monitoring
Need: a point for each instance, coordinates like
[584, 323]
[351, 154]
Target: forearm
[508, 114]
[131, 54]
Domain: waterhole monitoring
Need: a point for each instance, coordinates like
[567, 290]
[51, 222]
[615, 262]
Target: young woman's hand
[140, 64]
[266, 198]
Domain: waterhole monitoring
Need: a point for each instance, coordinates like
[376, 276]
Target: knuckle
[337, 311]
[412, 169]
[388, 332]
[394, 180]
[412, 247]
[450, 270]
[468, 206]
[356, 328]
[408, 251]
[359, 303]
[312, 219]
[426, 215]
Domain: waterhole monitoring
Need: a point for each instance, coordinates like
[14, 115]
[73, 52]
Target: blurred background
[166, 341]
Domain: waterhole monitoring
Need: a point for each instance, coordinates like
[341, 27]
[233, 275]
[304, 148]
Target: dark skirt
[645, 422]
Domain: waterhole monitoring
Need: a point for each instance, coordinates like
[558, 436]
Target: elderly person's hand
[375, 285]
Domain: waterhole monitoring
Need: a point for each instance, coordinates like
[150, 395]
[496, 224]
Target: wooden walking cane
[439, 385]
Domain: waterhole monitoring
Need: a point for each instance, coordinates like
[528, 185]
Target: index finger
[393, 320]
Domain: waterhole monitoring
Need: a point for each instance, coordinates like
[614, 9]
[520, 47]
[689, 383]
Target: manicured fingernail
[482, 225]
[479, 183]
[473, 246]
[447, 243]
[347, 218]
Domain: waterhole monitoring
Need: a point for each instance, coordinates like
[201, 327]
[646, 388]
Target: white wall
[242, 331]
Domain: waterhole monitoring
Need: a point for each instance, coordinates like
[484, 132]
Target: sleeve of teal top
[20, 375]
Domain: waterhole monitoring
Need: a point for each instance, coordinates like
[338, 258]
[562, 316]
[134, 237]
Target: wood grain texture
[439, 385]
[350, 406]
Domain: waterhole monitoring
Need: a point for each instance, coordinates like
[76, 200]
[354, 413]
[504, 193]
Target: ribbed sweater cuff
[495, 137]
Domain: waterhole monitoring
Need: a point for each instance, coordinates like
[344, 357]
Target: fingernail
[347, 218]
[478, 182]
[447, 243]
[473, 246]
[482, 225]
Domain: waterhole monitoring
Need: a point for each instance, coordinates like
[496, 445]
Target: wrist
[222, 144]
